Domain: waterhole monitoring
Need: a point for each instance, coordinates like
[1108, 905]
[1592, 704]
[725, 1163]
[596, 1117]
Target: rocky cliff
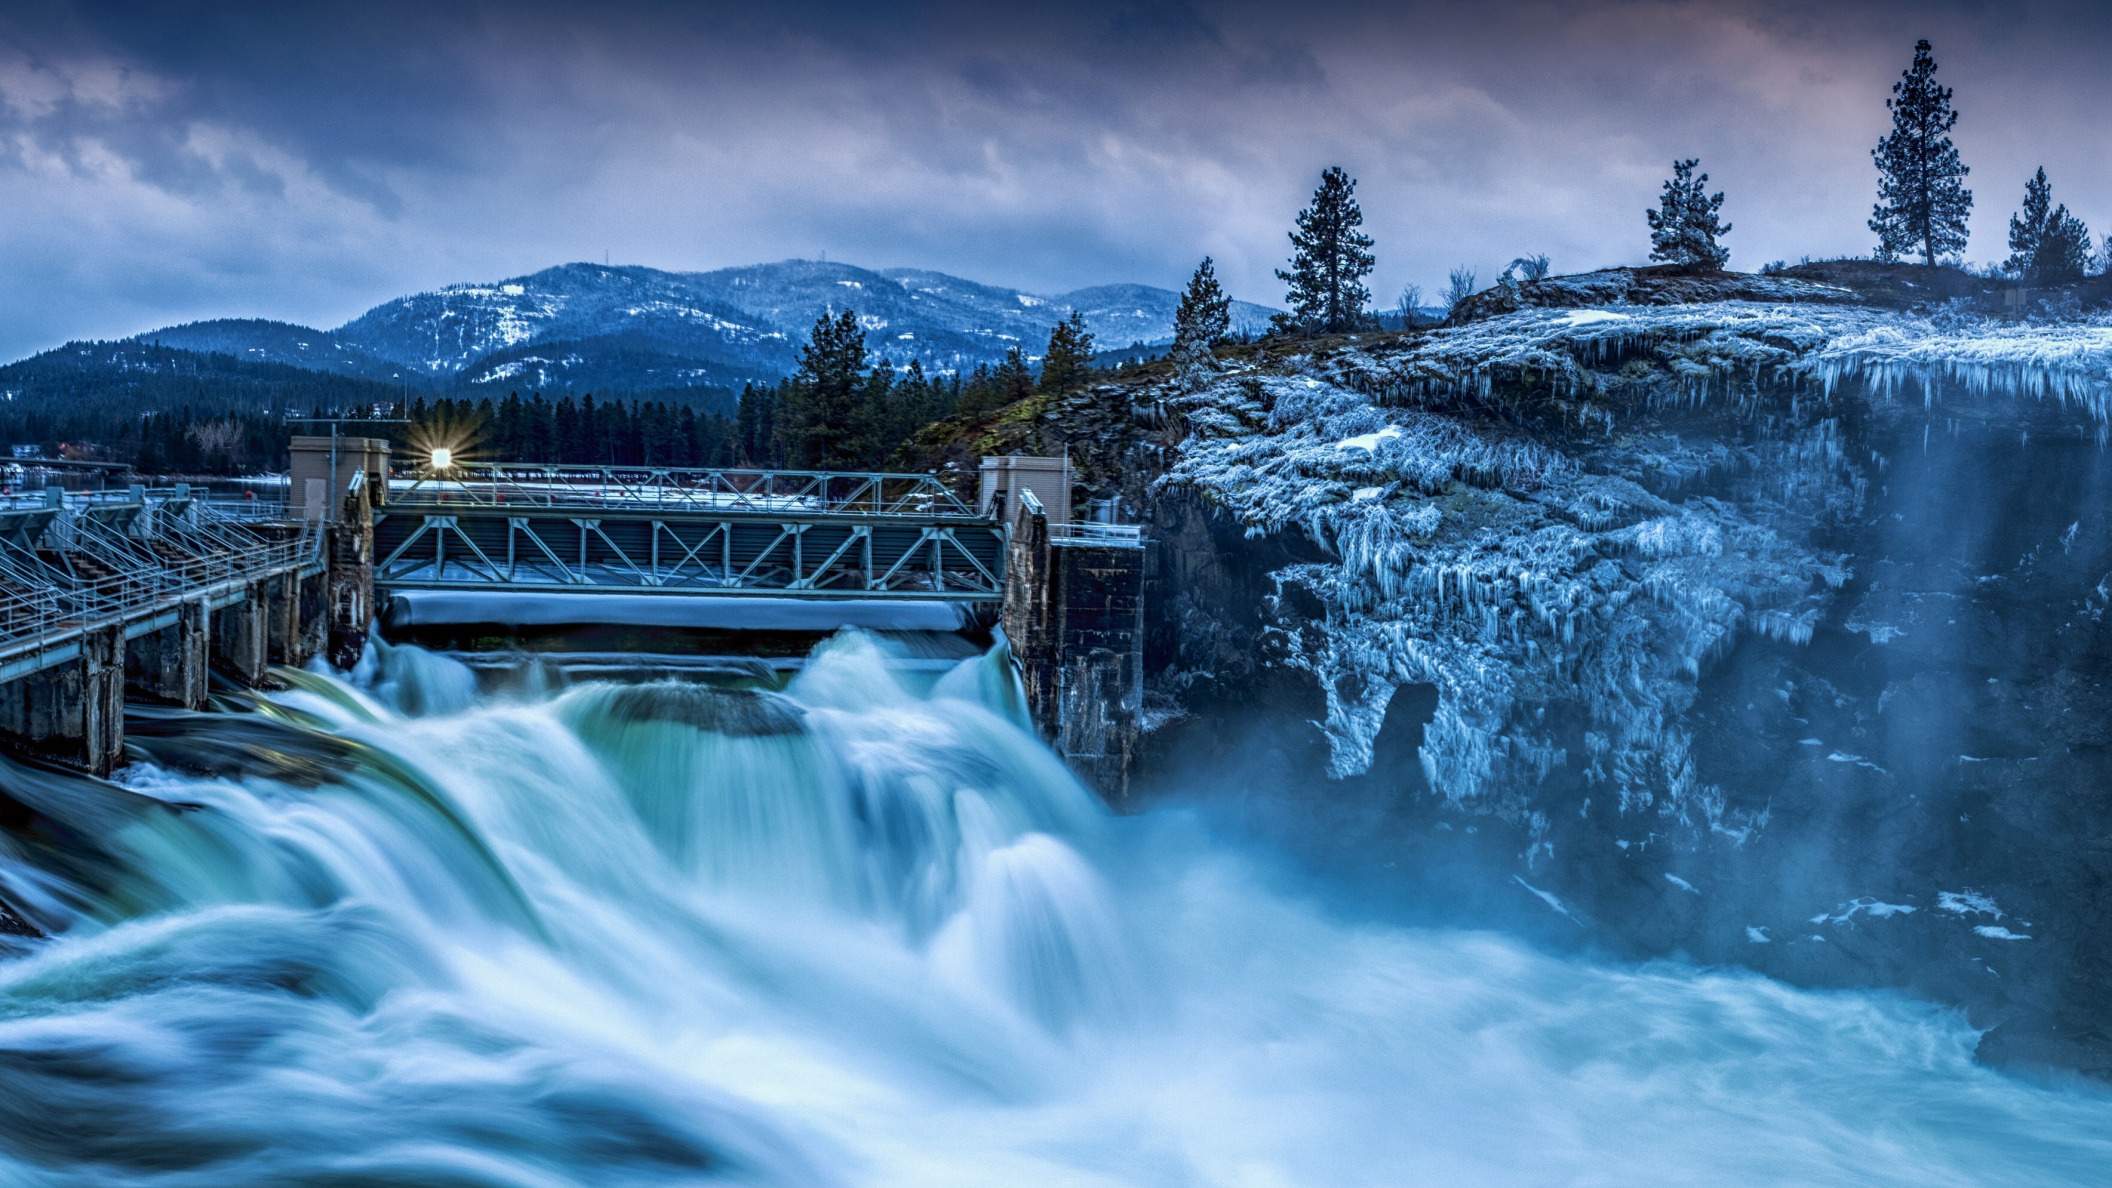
[1763, 632]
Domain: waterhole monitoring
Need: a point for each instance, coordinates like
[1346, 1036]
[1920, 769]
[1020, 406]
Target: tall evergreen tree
[767, 449]
[978, 395]
[2047, 245]
[1201, 323]
[1683, 228]
[822, 401]
[570, 446]
[870, 419]
[1069, 359]
[508, 428]
[593, 447]
[912, 404]
[2027, 226]
[749, 425]
[1329, 262]
[1012, 378]
[1922, 202]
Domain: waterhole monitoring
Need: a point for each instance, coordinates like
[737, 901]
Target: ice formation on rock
[1508, 518]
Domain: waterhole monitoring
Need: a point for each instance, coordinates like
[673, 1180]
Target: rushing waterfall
[861, 931]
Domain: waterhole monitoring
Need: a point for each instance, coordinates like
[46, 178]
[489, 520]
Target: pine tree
[508, 427]
[591, 446]
[978, 395]
[1922, 203]
[1200, 324]
[542, 429]
[684, 433]
[2047, 245]
[821, 401]
[570, 448]
[1069, 359]
[1683, 228]
[1011, 381]
[748, 424]
[2028, 225]
[761, 445]
[2064, 249]
[911, 405]
[1329, 264]
[869, 419]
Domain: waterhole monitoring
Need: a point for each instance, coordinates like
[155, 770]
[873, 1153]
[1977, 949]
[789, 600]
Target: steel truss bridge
[686, 531]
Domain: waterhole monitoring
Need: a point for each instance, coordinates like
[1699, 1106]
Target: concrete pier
[168, 664]
[1074, 612]
[73, 710]
[240, 634]
[282, 619]
[348, 579]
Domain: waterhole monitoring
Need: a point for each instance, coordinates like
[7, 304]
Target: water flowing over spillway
[865, 931]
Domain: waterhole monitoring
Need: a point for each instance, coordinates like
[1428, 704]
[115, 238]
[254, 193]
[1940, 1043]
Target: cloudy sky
[162, 162]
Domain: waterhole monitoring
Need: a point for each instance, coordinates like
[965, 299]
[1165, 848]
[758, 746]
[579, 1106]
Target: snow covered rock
[1661, 285]
[1503, 506]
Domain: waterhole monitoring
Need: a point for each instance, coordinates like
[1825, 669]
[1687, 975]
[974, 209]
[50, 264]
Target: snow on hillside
[448, 330]
[750, 319]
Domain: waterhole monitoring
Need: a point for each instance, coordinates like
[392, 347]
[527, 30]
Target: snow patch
[1866, 906]
[1369, 441]
[1593, 317]
[1967, 903]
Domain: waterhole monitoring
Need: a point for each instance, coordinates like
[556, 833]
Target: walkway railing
[770, 492]
[70, 564]
[1099, 536]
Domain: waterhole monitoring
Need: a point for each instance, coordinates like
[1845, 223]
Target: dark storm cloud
[165, 161]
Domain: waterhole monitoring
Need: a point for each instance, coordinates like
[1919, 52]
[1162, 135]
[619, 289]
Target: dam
[581, 570]
[857, 927]
[683, 832]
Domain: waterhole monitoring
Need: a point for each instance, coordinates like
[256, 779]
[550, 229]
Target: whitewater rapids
[868, 932]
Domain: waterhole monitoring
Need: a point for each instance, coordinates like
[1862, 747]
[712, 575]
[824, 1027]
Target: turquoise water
[868, 932]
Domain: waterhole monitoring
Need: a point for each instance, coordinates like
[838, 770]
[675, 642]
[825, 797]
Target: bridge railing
[805, 492]
[99, 559]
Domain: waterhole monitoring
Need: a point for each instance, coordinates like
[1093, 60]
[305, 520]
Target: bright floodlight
[443, 458]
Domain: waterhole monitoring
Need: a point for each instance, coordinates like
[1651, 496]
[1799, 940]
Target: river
[865, 931]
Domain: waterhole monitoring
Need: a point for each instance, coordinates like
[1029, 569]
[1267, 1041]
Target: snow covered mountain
[588, 326]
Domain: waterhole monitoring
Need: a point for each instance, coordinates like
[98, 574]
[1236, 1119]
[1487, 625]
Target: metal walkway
[676, 531]
[75, 564]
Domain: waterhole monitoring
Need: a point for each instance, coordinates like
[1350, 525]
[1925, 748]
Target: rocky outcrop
[1874, 283]
[1760, 633]
[1661, 285]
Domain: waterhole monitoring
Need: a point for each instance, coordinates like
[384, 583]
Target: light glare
[443, 458]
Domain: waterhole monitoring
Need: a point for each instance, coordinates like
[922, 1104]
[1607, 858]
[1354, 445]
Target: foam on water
[859, 934]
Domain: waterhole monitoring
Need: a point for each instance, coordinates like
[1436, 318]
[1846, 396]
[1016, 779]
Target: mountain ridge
[595, 327]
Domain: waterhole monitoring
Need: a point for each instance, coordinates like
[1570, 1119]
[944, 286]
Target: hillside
[257, 340]
[104, 379]
[213, 412]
